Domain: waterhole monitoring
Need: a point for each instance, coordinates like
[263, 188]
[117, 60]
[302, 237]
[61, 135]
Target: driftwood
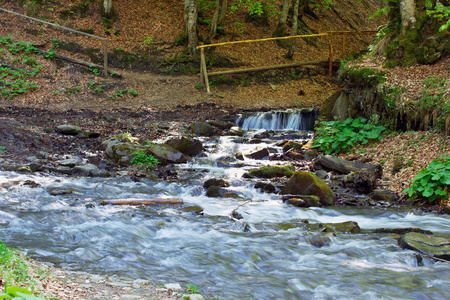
[79, 62]
[141, 201]
[345, 167]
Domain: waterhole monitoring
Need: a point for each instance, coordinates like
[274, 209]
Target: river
[273, 260]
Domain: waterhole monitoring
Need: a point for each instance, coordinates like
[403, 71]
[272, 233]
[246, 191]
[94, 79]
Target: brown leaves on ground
[415, 149]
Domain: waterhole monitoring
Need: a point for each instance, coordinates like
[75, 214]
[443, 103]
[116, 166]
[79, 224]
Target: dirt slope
[152, 26]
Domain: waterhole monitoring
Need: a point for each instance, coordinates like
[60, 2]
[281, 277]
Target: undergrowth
[143, 159]
[342, 136]
[15, 275]
[433, 182]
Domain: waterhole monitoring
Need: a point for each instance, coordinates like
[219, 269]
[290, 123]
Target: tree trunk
[407, 12]
[291, 51]
[214, 22]
[190, 16]
[107, 9]
[281, 27]
[223, 12]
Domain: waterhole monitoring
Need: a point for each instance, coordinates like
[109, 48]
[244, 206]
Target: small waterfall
[278, 120]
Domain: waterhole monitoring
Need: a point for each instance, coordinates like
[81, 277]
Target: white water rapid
[274, 260]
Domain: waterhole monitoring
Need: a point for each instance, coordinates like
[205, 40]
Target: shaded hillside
[143, 39]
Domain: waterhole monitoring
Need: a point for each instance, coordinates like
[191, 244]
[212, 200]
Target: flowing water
[165, 244]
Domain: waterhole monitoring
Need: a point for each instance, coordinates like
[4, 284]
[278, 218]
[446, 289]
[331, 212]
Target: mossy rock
[292, 145]
[202, 129]
[195, 209]
[273, 171]
[436, 246]
[344, 227]
[191, 147]
[306, 183]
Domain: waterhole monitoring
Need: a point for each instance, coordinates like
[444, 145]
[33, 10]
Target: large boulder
[166, 154]
[306, 183]
[202, 129]
[191, 147]
[432, 245]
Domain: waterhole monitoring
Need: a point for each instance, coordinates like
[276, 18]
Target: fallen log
[79, 62]
[141, 201]
[346, 167]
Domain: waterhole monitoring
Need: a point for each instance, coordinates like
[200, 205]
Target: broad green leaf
[428, 192]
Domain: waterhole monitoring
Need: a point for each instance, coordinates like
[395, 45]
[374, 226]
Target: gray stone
[71, 162]
[68, 129]
[341, 106]
[86, 170]
[258, 154]
[173, 286]
[193, 297]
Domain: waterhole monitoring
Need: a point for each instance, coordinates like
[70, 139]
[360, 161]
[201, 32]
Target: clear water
[164, 244]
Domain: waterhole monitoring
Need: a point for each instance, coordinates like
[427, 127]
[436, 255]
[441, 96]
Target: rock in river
[432, 245]
[306, 183]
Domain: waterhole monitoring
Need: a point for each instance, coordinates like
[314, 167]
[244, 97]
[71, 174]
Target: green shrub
[432, 182]
[143, 159]
[337, 136]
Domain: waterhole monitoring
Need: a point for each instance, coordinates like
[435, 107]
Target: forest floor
[73, 94]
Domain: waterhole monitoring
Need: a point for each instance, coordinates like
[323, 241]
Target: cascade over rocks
[306, 183]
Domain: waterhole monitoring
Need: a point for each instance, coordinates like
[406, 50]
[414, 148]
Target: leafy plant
[143, 159]
[122, 92]
[442, 13]
[3, 150]
[18, 293]
[193, 289]
[14, 271]
[432, 182]
[337, 136]
[95, 71]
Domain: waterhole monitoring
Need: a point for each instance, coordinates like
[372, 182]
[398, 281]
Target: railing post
[203, 68]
